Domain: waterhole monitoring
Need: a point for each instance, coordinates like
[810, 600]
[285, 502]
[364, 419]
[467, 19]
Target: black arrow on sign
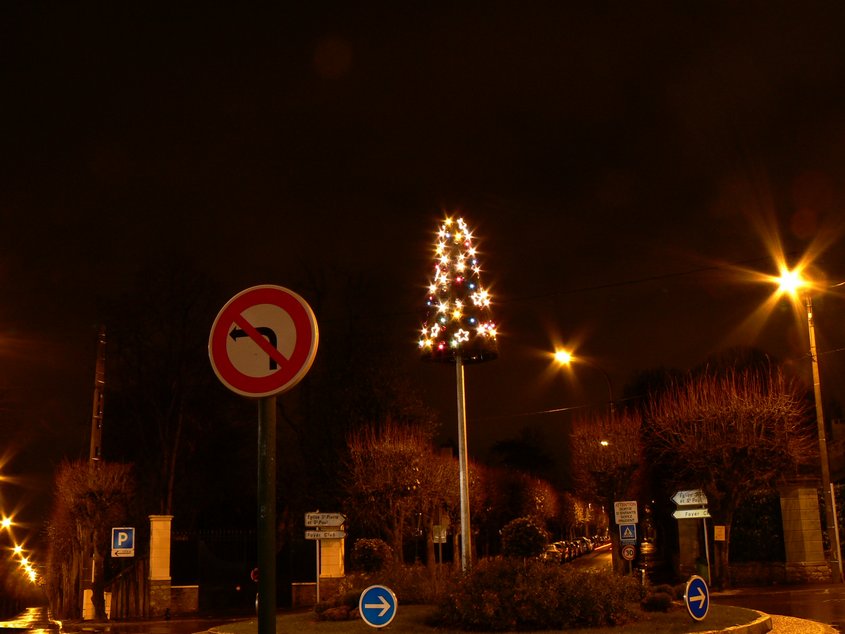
[268, 332]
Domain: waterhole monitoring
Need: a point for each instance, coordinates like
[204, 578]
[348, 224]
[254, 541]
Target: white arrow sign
[324, 519]
[325, 534]
[700, 597]
[686, 514]
[383, 604]
[692, 497]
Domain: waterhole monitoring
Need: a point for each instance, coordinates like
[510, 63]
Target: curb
[761, 625]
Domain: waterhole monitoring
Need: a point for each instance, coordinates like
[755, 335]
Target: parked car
[565, 552]
[574, 549]
[587, 544]
[552, 554]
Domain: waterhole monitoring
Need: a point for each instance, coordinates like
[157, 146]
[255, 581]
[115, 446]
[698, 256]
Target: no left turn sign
[263, 341]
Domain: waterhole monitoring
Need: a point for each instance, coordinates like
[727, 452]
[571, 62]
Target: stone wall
[159, 597]
[184, 599]
[303, 594]
[764, 573]
[809, 572]
[758, 573]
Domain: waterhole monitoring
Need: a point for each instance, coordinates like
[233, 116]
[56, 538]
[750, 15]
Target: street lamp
[565, 358]
[792, 283]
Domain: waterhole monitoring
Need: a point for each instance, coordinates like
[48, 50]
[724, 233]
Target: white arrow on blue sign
[697, 598]
[377, 606]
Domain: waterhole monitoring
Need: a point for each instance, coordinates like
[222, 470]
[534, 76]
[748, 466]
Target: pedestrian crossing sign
[628, 533]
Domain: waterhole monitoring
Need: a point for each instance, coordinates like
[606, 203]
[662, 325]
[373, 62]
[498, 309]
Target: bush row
[512, 594]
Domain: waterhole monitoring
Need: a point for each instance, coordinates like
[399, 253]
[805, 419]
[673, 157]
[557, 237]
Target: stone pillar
[331, 567]
[160, 564]
[802, 532]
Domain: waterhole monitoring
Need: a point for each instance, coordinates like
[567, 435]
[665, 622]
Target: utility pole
[96, 453]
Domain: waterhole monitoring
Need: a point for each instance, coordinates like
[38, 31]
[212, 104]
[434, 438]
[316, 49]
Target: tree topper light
[458, 320]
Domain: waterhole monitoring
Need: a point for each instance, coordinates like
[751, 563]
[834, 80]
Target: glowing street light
[564, 357]
[794, 284]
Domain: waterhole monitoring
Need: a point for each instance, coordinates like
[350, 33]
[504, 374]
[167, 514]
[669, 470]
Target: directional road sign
[628, 533]
[325, 534]
[697, 598]
[263, 341]
[377, 606]
[692, 497]
[123, 542]
[686, 514]
[324, 519]
[626, 512]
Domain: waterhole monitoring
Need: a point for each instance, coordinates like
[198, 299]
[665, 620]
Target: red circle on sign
[289, 370]
[628, 552]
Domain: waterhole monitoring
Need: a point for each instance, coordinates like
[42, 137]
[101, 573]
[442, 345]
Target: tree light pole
[790, 283]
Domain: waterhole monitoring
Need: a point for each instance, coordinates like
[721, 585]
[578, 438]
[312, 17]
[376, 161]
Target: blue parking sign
[377, 606]
[123, 542]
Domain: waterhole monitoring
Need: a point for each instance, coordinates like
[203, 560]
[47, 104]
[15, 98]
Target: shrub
[339, 607]
[412, 584]
[657, 602]
[505, 595]
[522, 537]
[371, 555]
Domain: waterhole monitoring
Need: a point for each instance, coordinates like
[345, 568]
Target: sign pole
[466, 535]
[837, 548]
[262, 343]
[267, 515]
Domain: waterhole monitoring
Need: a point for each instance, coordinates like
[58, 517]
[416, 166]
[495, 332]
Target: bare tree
[730, 433]
[605, 456]
[385, 471]
[161, 388]
[90, 498]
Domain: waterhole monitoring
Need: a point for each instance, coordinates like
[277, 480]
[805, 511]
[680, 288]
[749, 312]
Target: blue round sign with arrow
[377, 606]
[697, 598]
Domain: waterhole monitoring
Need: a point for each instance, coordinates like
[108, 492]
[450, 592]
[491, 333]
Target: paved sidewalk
[791, 625]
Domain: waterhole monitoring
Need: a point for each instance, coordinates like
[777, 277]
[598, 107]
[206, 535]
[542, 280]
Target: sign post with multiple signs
[692, 504]
[262, 343]
[323, 526]
[626, 518]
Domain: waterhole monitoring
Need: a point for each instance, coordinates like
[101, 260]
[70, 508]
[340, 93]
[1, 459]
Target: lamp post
[790, 283]
[565, 358]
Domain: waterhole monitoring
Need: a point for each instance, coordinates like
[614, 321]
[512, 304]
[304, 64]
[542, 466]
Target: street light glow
[789, 282]
[562, 356]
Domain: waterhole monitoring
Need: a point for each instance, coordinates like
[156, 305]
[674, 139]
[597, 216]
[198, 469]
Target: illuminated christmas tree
[458, 323]
[458, 329]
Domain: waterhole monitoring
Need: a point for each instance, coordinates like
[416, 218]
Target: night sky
[620, 164]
